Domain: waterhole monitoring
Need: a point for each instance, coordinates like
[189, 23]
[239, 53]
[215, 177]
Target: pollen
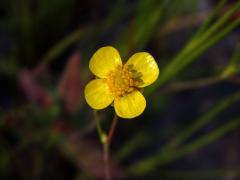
[120, 81]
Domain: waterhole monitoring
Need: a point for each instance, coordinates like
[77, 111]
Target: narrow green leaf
[204, 174]
[151, 163]
[196, 47]
[210, 18]
[202, 121]
[234, 64]
[57, 49]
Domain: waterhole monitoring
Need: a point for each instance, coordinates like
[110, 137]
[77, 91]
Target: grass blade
[151, 163]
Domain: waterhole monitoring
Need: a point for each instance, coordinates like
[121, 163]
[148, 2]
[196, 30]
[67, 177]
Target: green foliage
[170, 150]
[197, 45]
[233, 66]
[43, 32]
[151, 163]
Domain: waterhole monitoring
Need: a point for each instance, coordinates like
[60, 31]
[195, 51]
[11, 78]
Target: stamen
[122, 81]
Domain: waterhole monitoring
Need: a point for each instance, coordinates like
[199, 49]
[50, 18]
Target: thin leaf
[151, 163]
[196, 47]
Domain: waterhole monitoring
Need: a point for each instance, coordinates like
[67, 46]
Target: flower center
[121, 81]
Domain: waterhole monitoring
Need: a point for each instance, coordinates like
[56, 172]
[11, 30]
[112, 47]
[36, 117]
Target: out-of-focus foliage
[191, 125]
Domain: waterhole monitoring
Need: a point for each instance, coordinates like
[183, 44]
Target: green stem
[106, 150]
[101, 133]
[106, 142]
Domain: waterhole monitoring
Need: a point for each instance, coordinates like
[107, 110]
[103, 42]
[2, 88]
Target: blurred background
[191, 126]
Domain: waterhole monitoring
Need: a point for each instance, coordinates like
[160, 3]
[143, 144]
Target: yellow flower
[120, 84]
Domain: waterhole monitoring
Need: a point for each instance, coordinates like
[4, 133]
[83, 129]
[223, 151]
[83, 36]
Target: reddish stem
[106, 153]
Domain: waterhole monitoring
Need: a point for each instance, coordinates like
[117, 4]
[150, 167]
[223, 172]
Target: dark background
[47, 131]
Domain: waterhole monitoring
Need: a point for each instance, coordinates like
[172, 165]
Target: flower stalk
[106, 142]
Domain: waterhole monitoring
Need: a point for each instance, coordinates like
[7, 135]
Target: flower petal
[130, 105]
[104, 60]
[145, 64]
[97, 94]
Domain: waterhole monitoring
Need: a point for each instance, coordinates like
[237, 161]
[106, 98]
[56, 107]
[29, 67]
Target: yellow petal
[104, 60]
[130, 105]
[97, 94]
[145, 64]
